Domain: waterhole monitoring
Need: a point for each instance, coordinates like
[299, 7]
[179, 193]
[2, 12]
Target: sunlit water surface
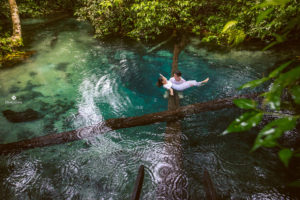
[75, 80]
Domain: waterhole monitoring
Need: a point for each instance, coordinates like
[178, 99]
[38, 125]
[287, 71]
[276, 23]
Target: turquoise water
[75, 80]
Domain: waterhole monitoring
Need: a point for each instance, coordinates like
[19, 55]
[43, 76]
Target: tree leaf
[273, 97]
[276, 72]
[245, 103]
[263, 15]
[254, 83]
[285, 156]
[297, 155]
[279, 38]
[228, 25]
[295, 183]
[244, 122]
[274, 3]
[272, 131]
[270, 45]
[295, 91]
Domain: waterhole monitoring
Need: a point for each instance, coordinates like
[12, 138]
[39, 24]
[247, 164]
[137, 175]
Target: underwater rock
[15, 59]
[123, 54]
[32, 74]
[62, 66]
[29, 86]
[53, 41]
[14, 89]
[30, 95]
[25, 134]
[164, 53]
[23, 116]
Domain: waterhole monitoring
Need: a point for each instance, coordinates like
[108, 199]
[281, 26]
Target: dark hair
[178, 73]
[159, 82]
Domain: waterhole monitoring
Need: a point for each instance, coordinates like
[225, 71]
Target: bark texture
[119, 123]
[17, 33]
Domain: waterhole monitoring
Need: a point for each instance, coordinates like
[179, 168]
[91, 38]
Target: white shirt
[177, 82]
[168, 85]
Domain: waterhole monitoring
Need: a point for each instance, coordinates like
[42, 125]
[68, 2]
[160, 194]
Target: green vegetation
[146, 19]
[273, 105]
[9, 48]
[281, 101]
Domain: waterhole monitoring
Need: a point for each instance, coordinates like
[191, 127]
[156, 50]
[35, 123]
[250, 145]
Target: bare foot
[206, 80]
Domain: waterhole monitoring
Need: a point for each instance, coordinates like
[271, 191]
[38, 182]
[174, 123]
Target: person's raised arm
[171, 91]
[162, 76]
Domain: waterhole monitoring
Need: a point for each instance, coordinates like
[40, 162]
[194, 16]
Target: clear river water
[75, 80]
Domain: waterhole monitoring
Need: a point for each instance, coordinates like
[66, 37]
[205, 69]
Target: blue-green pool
[75, 80]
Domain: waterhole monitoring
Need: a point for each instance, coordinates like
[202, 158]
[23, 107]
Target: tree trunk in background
[17, 33]
[177, 49]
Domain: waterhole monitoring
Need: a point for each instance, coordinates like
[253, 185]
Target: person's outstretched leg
[188, 84]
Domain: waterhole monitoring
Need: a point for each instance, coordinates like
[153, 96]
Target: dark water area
[75, 81]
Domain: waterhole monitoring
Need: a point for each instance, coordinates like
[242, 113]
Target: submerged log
[119, 123]
[23, 116]
[138, 184]
[209, 187]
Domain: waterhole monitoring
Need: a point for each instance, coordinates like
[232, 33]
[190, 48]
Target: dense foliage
[26, 8]
[147, 19]
[281, 101]
[144, 19]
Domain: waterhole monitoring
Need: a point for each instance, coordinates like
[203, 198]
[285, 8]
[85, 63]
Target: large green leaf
[254, 83]
[229, 25]
[272, 131]
[273, 97]
[245, 103]
[244, 122]
[274, 3]
[270, 45]
[295, 183]
[263, 15]
[285, 156]
[295, 91]
[279, 38]
[276, 72]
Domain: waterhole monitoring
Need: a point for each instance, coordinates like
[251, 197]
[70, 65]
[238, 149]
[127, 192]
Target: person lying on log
[177, 79]
[183, 84]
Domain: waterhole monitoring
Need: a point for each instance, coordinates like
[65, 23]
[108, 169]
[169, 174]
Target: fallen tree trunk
[209, 188]
[119, 123]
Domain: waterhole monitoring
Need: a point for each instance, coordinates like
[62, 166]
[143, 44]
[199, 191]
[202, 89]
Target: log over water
[119, 123]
